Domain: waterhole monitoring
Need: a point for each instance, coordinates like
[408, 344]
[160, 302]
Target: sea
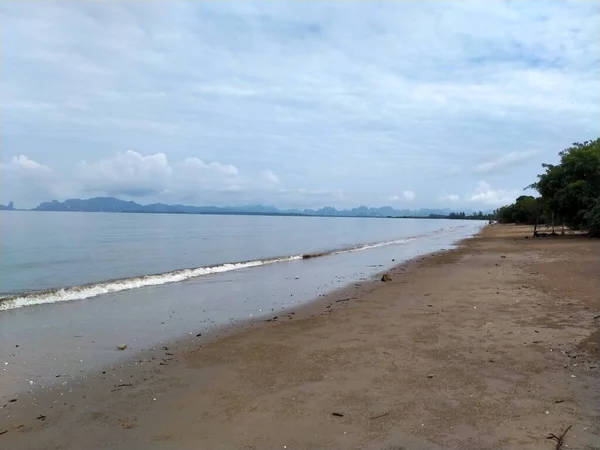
[86, 282]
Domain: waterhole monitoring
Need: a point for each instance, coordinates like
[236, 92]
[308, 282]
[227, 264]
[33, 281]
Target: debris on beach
[386, 277]
[337, 414]
[122, 346]
[559, 439]
[430, 376]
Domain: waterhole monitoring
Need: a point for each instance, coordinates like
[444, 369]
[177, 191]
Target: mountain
[9, 207]
[98, 204]
[111, 204]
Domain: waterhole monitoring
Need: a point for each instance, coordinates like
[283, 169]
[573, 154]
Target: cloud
[198, 164]
[23, 164]
[484, 194]
[356, 97]
[450, 198]
[504, 161]
[133, 174]
[406, 195]
[128, 173]
[35, 180]
[271, 177]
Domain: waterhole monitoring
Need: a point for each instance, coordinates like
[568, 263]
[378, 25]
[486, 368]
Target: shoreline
[162, 379]
[128, 365]
[79, 338]
[92, 289]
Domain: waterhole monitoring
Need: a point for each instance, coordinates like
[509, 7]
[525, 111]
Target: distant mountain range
[111, 204]
[9, 207]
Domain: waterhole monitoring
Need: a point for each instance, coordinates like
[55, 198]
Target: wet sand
[493, 345]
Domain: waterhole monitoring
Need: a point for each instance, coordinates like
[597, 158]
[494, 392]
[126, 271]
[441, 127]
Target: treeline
[463, 216]
[569, 193]
[525, 210]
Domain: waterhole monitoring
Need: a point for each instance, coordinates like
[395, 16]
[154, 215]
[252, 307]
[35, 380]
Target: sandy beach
[494, 345]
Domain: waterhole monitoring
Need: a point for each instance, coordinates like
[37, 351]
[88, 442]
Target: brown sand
[493, 345]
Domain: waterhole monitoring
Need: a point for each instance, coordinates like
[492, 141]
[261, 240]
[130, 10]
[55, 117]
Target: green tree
[571, 190]
[525, 210]
[592, 218]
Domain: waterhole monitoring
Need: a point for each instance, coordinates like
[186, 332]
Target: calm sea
[48, 257]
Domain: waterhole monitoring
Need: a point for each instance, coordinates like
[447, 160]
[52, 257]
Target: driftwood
[380, 416]
[559, 439]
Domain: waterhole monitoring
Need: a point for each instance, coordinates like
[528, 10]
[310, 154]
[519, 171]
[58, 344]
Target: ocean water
[77, 285]
[49, 257]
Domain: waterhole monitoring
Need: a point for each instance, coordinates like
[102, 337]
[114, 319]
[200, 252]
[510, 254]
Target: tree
[525, 210]
[592, 218]
[571, 189]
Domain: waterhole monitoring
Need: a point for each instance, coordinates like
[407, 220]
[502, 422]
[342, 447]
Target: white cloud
[23, 164]
[450, 197]
[129, 173]
[485, 195]
[271, 177]
[504, 161]
[406, 195]
[198, 164]
[30, 180]
[409, 195]
[133, 174]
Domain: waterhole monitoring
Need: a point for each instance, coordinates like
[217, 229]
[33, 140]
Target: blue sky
[299, 104]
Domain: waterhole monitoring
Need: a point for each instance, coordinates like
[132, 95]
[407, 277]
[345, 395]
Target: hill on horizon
[112, 204]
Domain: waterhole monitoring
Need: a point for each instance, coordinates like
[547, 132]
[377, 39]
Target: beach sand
[492, 345]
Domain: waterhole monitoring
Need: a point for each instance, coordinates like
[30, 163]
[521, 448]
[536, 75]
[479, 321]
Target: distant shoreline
[226, 213]
[114, 205]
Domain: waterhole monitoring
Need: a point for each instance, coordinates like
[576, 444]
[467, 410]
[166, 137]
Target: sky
[293, 104]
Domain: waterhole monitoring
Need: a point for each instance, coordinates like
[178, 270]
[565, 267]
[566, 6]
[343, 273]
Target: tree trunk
[535, 225]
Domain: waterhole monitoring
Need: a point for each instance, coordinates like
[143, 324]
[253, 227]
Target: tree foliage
[479, 215]
[569, 192]
[571, 189]
[525, 210]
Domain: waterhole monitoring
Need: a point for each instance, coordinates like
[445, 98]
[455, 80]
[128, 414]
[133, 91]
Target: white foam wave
[94, 290]
[376, 245]
[108, 287]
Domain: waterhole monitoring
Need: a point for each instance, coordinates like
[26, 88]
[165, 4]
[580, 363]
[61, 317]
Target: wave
[107, 287]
